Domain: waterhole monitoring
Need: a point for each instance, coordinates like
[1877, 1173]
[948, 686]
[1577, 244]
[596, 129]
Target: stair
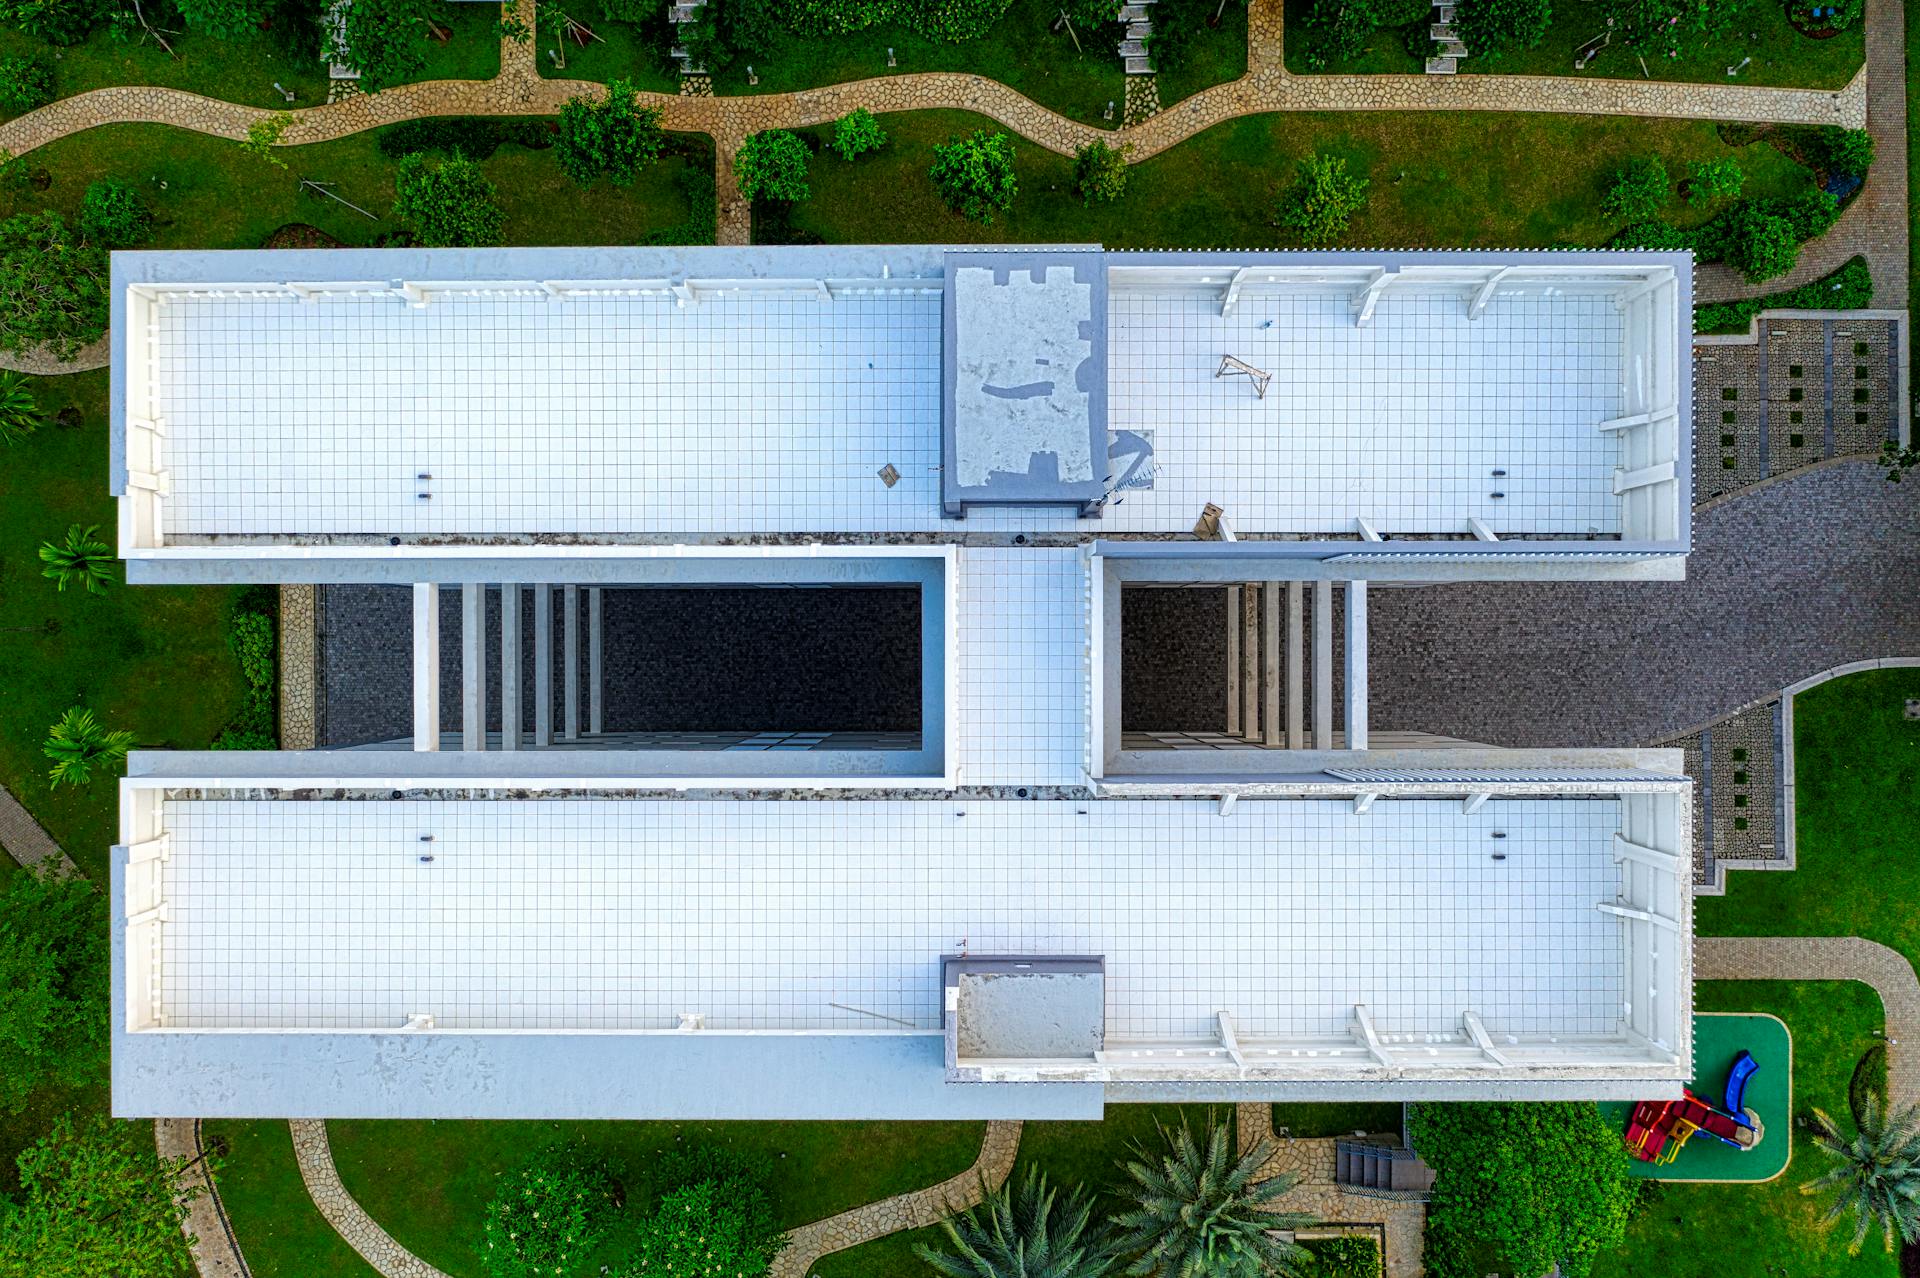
[678, 12]
[1451, 48]
[1381, 1170]
[1133, 47]
[1443, 66]
[1131, 13]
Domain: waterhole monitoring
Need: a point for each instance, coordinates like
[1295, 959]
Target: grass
[1857, 777]
[428, 1183]
[1337, 1119]
[245, 71]
[1709, 1231]
[1473, 180]
[281, 1233]
[623, 51]
[1781, 55]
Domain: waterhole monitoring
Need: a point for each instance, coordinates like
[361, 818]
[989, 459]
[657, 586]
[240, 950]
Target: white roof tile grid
[1023, 666]
[627, 415]
[623, 914]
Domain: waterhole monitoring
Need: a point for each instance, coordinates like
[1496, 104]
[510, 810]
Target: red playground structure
[1658, 1130]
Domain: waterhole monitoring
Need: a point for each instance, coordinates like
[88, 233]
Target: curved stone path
[216, 1252]
[1830, 958]
[375, 1245]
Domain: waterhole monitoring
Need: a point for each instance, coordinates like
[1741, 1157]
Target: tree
[54, 980]
[1490, 28]
[1029, 1232]
[19, 411]
[1875, 1175]
[1197, 1212]
[1759, 244]
[264, 134]
[225, 19]
[78, 744]
[112, 216]
[1100, 172]
[79, 560]
[1639, 190]
[1322, 201]
[25, 83]
[1897, 460]
[447, 203]
[772, 165]
[96, 1199]
[53, 286]
[975, 174]
[547, 1213]
[614, 137]
[1521, 1187]
[1715, 180]
[856, 133]
[384, 40]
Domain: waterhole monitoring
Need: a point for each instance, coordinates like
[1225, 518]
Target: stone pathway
[1830, 958]
[915, 1210]
[216, 1252]
[1311, 1161]
[348, 1218]
[26, 841]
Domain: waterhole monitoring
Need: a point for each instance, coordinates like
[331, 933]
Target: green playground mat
[1718, 1037]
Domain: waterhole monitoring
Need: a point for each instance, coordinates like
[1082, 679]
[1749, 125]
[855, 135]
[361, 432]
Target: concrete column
[473, 666]
[1250, 661]
[542, 666]
[510, 718]
[1233, 661]
[426, 666]
[570, 635]
[1355, 689]
[596, 667]
[1270, 665]
[1323, 665]
[1296, 665]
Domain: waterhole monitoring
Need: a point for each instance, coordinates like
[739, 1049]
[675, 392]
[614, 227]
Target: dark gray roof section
[1024, 372]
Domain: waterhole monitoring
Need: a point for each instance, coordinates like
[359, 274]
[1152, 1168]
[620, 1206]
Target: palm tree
[78, 744]
[19, 414]
[79, 560]
[1197, 1212]
[1028, 1232]
[1876, 1174]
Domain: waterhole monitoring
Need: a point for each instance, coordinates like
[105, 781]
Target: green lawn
[245, 71]
[1857, 774]
[1781, 55]
[1473, 180]
[1717, 1231]
[281, 1233]
[623, 51]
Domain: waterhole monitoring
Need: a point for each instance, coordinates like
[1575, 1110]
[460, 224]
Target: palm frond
[79, 559]
[1196, 1211]
[1024, 1230]
[1875, 1176]
[78, 744]
[19, 414]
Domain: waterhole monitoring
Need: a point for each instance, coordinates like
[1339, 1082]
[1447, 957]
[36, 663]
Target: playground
[1761, 1096]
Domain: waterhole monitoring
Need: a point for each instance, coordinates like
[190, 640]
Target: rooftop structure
[990, 883]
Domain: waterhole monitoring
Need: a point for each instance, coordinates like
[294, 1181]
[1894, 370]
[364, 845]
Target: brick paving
[1830, 958]
[1311, 1163]
[26, 841]
[348, 1218]
[216, 1252]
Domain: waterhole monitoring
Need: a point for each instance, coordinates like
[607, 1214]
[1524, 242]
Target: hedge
[473, 136]
[1847, 289]
[251, 636]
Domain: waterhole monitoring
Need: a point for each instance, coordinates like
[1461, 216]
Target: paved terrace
[831, 915]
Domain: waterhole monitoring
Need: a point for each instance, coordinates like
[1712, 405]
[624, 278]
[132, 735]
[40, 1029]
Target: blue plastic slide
[1743, 1068]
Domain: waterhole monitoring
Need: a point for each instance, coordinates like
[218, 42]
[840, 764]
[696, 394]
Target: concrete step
[1139, 30]
[1139, 66]
[1453, 49]
[1442, 31]
[1133, 13]
[1443, 66]
[1133, 49]
[1446, 13]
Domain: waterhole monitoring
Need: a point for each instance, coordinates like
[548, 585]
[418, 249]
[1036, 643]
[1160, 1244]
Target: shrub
[384, 40]
[975, 174]
[695, 185]
[1337, 30]
[475, 137]
[264, 134]
[1029, 1218]
[1668, 28]
[225, 19]
[1715, 180]
[856, 133]
[1811, 213]
[1839, 151]
[711, 1227]
[19, 411]
[25, 83]
[1661, 236]
[1521, 1187]
[79, 559]
[1100, 172]
[64, 22]
[546, 1214]
[250, 637]
[53, 968]
[614, 137]
[53, 286]
[112, 216]
[78, 744]
[1639, 190]
[772, 165]
[1491, 27]
[1350, 1257]
[95, 1201]
[945, 21]
[447, 203]
[1322, 201]
[1849, 288]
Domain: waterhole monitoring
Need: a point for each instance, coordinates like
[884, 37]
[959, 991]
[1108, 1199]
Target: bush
[225, 19]
[53, 984]
[1659, 236]
[1847, 289]
[547, 1214]
[1491, 27]
[1715, 180]
[1337, 30]
[385, 41]
[856, 133]
[1668, 28]
[25, 83]
[64, 22]
[112, 216]
[945, 21]
[614, 137]
[1811, 213]
[1321, 203]
[1840, 151]
[975, 174]
[447, 203]
[1100, 172]
[772, 165]
[1639, 190]
[710, 1227]
[1349, 1257]
[475, 137]
[53, 286]
[250, 637]
[1757, 243]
